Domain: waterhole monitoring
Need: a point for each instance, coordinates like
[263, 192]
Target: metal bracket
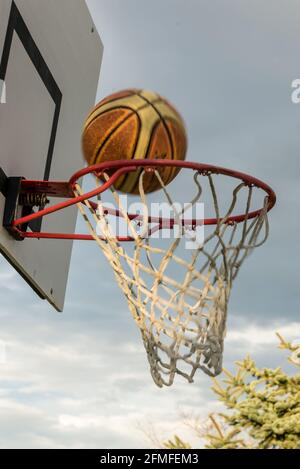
[10, 187]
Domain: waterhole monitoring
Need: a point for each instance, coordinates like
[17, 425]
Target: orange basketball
[135, 124]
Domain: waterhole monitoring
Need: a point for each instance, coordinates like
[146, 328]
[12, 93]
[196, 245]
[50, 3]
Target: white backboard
[50, 58]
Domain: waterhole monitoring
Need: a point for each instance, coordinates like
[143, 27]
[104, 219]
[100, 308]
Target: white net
[178, 297]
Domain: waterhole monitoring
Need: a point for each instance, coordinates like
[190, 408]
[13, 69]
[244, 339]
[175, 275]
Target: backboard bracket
[11, 187]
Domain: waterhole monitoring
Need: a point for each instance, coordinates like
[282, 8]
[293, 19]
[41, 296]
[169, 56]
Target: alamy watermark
[295, 96]
[159, 220]
[2, 92]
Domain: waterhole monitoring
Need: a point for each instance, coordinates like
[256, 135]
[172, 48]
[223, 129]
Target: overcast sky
[81, 379]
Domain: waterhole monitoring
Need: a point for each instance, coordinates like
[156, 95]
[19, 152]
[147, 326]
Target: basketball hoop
[178, 298]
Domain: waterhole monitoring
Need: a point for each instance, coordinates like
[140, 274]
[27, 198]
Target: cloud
[86, 392]
[254, 335]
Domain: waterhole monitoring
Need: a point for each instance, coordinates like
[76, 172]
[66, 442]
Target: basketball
[135, 124]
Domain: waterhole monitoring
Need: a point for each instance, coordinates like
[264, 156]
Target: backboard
[50, 57]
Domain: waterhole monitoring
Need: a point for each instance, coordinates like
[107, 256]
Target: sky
[80, 379]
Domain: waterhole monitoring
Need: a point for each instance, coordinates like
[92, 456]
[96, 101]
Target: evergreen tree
[263, 407]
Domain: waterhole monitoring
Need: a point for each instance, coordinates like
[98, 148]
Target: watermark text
[159, 220]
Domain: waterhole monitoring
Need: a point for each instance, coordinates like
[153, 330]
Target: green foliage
[263, 407]
[220, 439]
[177, 443]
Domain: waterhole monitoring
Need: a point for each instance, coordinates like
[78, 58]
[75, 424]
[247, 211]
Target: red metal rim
[64, 189]
[202, 168]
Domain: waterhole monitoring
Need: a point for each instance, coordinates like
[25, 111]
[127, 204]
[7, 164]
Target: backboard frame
[17, 25]
[62, 53]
